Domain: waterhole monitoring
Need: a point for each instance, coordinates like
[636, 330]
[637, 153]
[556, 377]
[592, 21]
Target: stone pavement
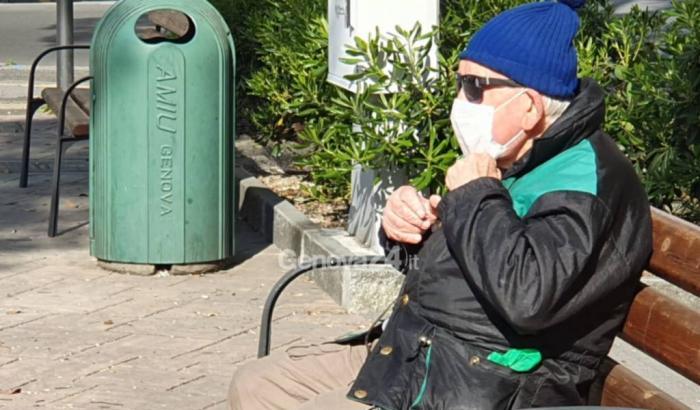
[75, 336]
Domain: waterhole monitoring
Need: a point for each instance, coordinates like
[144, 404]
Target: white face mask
[473, 123]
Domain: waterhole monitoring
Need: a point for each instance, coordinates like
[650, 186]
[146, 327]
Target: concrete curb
[364, 290]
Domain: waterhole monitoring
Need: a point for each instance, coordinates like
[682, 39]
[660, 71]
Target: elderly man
[524, 270]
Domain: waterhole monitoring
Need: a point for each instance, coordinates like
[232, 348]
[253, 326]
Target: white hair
[554, 108]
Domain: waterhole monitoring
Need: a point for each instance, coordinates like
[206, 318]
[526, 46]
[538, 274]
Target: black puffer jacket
[547, 259]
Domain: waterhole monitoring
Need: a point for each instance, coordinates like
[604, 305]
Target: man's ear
[534, 116]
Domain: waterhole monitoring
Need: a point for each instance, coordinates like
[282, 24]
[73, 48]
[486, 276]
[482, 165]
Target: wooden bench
[73, 106]
[73, 110]
[663, 328]
[77, 109]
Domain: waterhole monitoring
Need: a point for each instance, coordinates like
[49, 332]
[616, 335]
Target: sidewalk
[75, 336]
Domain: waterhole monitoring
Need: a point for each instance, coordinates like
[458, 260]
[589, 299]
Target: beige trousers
[308, 377]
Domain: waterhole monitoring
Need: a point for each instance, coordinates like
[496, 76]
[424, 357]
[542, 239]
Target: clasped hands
[408, 215]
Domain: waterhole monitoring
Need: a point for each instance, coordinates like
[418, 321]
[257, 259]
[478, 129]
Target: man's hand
[469, 168]
[408, 215]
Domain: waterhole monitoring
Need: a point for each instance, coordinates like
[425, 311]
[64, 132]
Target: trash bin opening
[164, 25]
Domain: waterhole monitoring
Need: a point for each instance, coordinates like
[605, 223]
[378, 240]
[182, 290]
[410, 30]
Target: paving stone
[73, 335]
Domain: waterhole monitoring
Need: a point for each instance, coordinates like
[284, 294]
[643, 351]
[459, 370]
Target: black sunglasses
[474, 86]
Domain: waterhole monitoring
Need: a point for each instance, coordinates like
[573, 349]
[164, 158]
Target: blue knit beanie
[533, 45]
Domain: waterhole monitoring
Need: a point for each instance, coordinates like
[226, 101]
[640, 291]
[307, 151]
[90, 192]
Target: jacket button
[360, 394]
[386, 350]
[474, 360]
[405, 299]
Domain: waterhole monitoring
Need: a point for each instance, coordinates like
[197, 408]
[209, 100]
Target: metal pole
[64, 34]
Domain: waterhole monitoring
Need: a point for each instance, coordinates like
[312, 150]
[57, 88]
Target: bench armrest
[265, 331]
[37, 60]
[66, 95]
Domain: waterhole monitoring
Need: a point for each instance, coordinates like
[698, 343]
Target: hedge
[647, 62]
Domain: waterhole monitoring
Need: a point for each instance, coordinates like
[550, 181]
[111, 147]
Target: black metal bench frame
[63, 141]
[278, 288]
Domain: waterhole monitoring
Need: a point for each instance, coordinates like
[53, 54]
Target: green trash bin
[162, 136]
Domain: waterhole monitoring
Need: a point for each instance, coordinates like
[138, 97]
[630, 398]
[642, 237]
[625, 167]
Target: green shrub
[648, 63]
[284, 53]
[406, 129]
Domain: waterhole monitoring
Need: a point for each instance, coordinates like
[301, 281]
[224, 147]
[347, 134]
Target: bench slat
[77, 120]
[82, 97]
[170, 20]
[676, 256]
[624, 388]
[665, 329]
[149, 34]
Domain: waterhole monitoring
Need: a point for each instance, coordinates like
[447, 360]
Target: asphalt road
[28, 28]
